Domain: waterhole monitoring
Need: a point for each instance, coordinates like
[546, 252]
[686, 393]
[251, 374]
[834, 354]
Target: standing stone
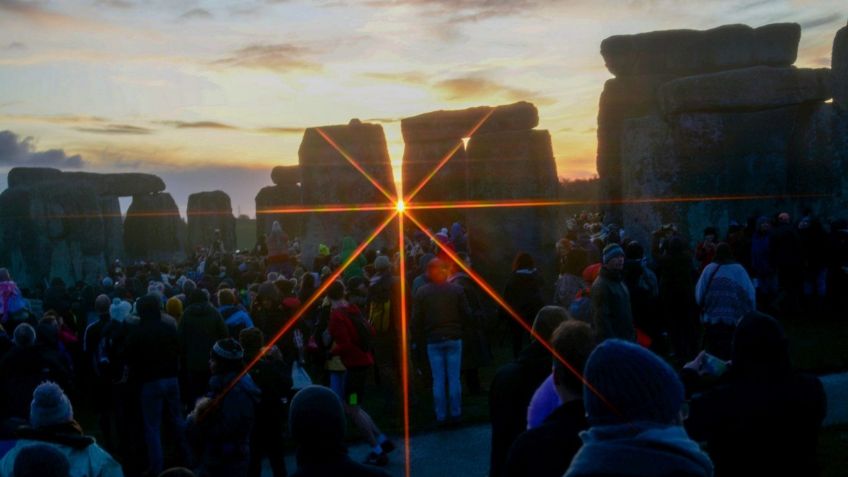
[512, 166]
[113, 227]
[153, 229]
[285, 193]
[458, 124]
[329, 179]
[839, 69]
[208, 212]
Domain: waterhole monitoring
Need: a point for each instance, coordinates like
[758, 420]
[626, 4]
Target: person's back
[200, 327]
[764, 419]
[441, 310]
[611, 313]
[152, 350]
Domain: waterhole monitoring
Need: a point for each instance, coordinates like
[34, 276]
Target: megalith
[206, 213]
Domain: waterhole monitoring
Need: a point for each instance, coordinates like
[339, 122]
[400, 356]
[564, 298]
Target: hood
[639, 449]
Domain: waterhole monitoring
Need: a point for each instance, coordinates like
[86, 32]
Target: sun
[400, 206]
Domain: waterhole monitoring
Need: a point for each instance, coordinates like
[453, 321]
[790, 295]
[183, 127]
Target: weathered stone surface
[688, 52]
[329, 179]
[153, 229]
[839, 69]
[207, 212]
[457, 124]
[285, 175]
[52, 220]
[279, 197]
[113, 227]
[118, 185]
[755, 88]
[449, 184]
[519, 166]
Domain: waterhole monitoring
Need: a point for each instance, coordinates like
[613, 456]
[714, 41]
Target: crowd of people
[176, 361]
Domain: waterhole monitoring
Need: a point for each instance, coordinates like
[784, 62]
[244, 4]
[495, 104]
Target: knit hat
[323, 250]
[228, 349]
[120, 309]
[41, 460]
[251, 340]
[49, 406]
[636, 383]
[174, 307]
[382, 263]
[316, 418]
[102, 304]
[107, 282]
[612, 251]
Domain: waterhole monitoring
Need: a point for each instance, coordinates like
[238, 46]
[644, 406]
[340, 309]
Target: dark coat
[439, 313]
[22, 369]
[509, 395]
[200, 327]
[611, 314]
[547, 450]
[153, 351]
[475, 346]
[523, 292]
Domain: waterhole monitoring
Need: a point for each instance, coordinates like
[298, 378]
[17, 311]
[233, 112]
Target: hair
[548, 319]
[226, 297]
[436, 271]
[189, 286]
[177, 472]
[24, 335]
[285, 286]
[574, 341]
[724, 253]
[336, 291]
[523, 261]
[634, 251]
[47, 330]
[251, 340]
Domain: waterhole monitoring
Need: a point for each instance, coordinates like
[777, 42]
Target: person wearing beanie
[513, 387]
[273, 377]
[317, 427]
[52, 425]
[174, 307]
[152, 353]
[101, 382]
[762, 418]
[200, 327]
[270, 316]
[547, 450]
[381, 288]
[636, 428]
[726, 294]
[234, 315]
[611, 313]
[523, 292]
[222, 420]
[643, 286]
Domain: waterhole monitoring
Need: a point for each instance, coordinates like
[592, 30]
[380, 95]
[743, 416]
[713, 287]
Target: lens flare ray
[327, 208]
[512, 313]
[300, 311]
[447, 157]
[356, 165]
[404, 344]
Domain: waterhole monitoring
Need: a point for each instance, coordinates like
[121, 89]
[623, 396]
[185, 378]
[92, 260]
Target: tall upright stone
[208, 212]
[839, 69]
[285, 193]
[328, 178]
[153, 229]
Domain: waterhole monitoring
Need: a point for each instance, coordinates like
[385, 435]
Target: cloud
[197, 125]
[16, 151]
[475, 87]
[280, 130]
[34, 13]
[277, 57]
[821, 21]
[120, 4]
[195, 13]
[116, 129]
[16, 45]
[460, 11]
[407, 77]
[53, 119]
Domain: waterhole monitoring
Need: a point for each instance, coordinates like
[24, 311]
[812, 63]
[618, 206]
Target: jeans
[156, 395]
[445, 364]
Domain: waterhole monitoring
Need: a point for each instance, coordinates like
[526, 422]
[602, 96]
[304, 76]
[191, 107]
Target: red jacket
[346, 339]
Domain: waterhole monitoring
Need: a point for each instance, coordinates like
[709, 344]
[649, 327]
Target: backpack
[364, 330]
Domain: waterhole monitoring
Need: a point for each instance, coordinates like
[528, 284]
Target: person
[153, 359]
[13, 306]
[706, 250]
[635, 418]
[643, 289]
[41, 460]
[348, 345]
[570, 281]
[278, 247]
[94, 348]
[513, 387]
[273, 377]
[611, 313]
[174, 308]
[440, 311]
[725, 293]
[523, 293]
[234, 315]
[762, 418]
[458, 239]
[199, 328]
[547, 450]
[476, 352]
[677, 307]
[786, 252]
[221, 423]
[317, 427]
[52, 423]
[762, 266]
[816, 252]
[355, 267]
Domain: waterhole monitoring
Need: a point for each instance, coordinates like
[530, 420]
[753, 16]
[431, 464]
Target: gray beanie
[49, 406]
[316, 418]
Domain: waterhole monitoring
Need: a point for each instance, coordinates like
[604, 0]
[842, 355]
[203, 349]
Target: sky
[213, 94]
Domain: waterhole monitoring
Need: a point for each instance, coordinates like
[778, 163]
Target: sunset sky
[212, 94]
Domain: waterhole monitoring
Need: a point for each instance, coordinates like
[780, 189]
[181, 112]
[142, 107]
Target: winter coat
[475, 347]
[153, 351]
[611, 314]
[509, 395]
[637, 449]
[223, 434]
[22, 369]
[346, 342]
[236, 319]
[545, 400]
[85, 457]
[523, 292]
[439, 312]
[566, 288]
[547, 450]
[199, 328]
[725, 293]
[643, 288]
